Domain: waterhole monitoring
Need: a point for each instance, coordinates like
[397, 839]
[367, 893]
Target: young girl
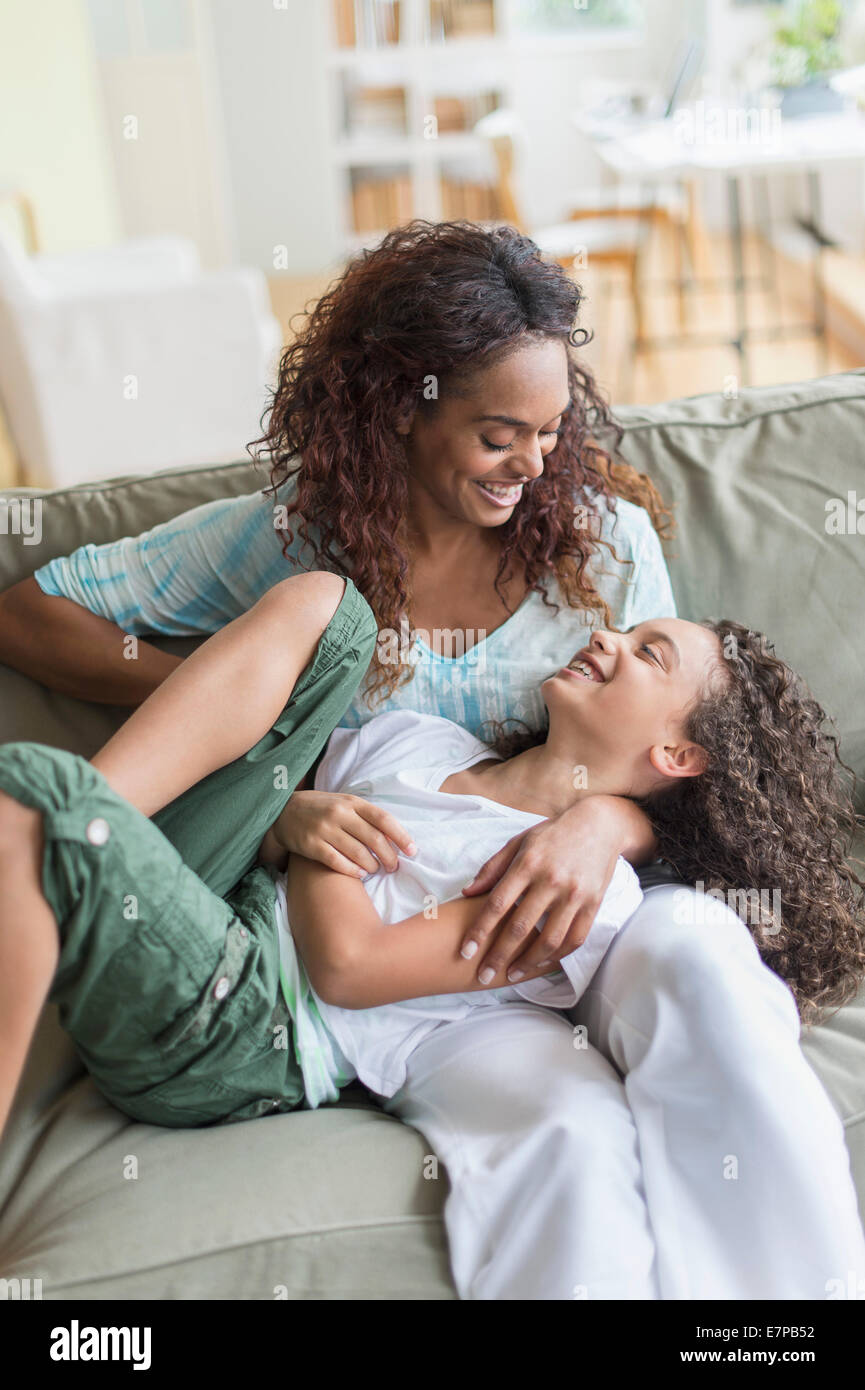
[548, 1198]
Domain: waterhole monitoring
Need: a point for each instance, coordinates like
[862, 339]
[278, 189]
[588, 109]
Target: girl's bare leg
[29, 942]
[223, 698]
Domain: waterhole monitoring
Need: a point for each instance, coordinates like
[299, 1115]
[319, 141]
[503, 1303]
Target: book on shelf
[467, 200]
[455, 19]
[343, 13]
[380, 200]
[455, 113]
[367, 23]
[375, 111]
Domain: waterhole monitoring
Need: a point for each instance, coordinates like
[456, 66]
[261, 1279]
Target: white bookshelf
[426, 68]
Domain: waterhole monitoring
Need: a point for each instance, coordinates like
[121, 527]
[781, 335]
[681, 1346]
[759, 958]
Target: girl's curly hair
[768, 826]
[435, 302]
[772, 813]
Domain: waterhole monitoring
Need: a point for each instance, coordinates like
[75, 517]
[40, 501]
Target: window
[575, 16]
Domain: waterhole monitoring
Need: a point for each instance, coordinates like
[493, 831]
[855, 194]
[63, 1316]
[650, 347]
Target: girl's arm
[356, 961]
[223, 698]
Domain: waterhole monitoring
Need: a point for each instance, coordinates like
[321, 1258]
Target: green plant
[806, 45]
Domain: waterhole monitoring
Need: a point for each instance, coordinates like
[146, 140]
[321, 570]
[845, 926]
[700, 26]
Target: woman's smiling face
[624, 700]
[473, 453]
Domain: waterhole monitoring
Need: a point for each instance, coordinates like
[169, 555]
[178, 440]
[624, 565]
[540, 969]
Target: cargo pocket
[234, 970]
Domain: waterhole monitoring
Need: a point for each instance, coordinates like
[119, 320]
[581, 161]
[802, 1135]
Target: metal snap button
[243, 933]
[221, 988]
[98, 831]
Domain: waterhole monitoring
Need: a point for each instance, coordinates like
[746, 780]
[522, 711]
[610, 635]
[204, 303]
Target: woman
[560, 1210]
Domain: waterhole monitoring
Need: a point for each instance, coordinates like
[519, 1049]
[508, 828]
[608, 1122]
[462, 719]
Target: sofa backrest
[750, 480]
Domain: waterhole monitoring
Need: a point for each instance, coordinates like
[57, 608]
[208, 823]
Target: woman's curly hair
[435, 302]
[768, 825]
[772, 813]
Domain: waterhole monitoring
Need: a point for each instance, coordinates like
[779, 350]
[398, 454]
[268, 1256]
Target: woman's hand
[561, 867]
[342, 832]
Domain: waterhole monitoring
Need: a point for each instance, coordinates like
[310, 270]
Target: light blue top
[198, 571]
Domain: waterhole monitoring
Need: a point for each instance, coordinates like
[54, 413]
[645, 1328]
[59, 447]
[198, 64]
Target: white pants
[687, 1151]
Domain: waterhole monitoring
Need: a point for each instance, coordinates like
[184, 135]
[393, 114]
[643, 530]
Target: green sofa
[335, 1203]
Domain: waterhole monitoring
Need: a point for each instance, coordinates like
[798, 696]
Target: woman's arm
[355, 960]
[77, 652]
[69, 625]
[223, 698]
[561, 867]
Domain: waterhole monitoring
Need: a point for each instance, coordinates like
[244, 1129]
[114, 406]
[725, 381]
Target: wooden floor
[666, 372]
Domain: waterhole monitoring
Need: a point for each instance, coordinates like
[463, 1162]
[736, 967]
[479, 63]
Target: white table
[710, 138]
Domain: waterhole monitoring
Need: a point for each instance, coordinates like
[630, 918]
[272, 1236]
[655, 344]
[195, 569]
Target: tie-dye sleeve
[190, 575]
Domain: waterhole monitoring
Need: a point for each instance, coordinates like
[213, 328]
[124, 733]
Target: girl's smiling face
[623, 703]
[473, 454]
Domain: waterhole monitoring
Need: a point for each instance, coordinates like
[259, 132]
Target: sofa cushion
[336, 1203]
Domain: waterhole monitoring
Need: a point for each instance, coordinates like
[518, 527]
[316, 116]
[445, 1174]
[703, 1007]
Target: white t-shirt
[398, 761]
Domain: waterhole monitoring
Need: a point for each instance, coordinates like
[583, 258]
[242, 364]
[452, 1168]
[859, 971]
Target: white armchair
[130, 359]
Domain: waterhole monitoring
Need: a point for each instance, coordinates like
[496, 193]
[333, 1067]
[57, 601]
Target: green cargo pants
[168, 976]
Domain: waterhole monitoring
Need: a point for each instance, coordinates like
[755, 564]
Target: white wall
[163, 121]
[52, 138]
